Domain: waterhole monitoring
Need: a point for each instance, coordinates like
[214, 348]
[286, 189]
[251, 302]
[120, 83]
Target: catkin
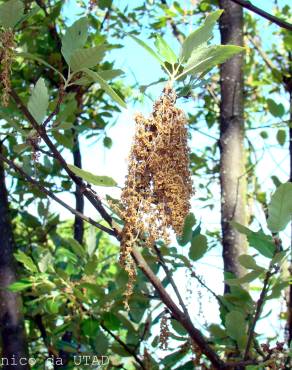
[158, 188]
[7, 40]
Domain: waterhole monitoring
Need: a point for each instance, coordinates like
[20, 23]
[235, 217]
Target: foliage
[67, 83]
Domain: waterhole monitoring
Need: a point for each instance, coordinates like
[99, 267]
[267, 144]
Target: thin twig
[50, 194]
[169, 276]
[176, 32]
[125, 346]
[61, 94]
[259, 306]
[248, 5]
[88, 193]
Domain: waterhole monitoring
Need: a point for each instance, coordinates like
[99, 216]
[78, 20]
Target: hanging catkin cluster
[6, 50]
[156, 196]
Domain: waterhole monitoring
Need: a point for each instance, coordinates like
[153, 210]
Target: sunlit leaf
[26, 261]
[280, 208]
[165, 50]
[39, 101]
[91, 178]
[10, 13]
[207, 57]
[86, 58]
[74, 38]
[104, 86]
[200, 36]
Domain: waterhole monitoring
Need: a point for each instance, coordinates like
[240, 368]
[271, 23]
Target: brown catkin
[7, 41]
[164, 332]
[158, 188]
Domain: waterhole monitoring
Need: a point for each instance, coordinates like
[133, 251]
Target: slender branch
[180, 316]
[176, 32]
[50, 194]
[259, 306]
[262, 53]
[248, 5]
[208, 289]
[169, 276]
[88, 193]
[57, 107]
[125, 346]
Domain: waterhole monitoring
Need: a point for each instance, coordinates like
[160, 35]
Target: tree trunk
[13, 339]
[232, 161]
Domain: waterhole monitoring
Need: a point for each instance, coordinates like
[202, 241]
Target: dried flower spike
[164, 332]
[7, 40]
[156, 196]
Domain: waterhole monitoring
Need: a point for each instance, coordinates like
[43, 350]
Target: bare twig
[259, 306]
[50, 194]
[248, 5]
[169, 276]
[125, 346]
[57, 108]
[176, 32]
[88, 193]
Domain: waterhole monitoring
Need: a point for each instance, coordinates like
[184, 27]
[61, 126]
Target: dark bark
[79, 198]
[13, 339]
[232, 163]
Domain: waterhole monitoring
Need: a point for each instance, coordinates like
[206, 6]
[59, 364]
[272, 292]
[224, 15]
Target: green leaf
[281, 137]
[92, 179]
[198, 247]
[111, 321]
[277, 110]
[10, 13]
[77, 247]
[216, 331]
[26, 261]
[110, 73]
[86, 58]
[248, 262]
[52, 306]
[236, 327]
[177, 326]
[29, 14]
[40, 60]
[280, 208]
[186, 235]
[200, 36]
[20, 285]
[104, 86]
[90, 327]
[248, 278]
[148, 48]
[165, 50]
[261, 242]
[205, 58]
[74, 38]
[39, 101]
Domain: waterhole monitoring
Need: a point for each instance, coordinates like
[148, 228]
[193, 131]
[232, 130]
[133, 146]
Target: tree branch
[125, 346]
[259, 306]
[248, 5]
[88, 193]
[169, 276]
[50, 194]
[176, 32]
